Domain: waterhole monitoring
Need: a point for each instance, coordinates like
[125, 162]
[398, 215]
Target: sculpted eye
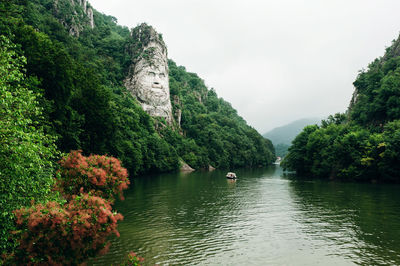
[162, 75]
[152, 74]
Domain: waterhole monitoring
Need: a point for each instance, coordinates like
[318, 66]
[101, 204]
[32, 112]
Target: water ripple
[261, 219]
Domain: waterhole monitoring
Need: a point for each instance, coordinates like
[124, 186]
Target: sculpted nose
[156, 80]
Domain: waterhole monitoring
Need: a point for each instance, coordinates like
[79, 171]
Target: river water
[263, 218]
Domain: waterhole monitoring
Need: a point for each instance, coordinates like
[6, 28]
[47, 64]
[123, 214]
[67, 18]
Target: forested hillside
[81, 77]
[213, 131]
[62, 68]
[363, 143]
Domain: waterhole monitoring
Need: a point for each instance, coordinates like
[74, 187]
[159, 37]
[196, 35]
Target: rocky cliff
[147, 79]
[74, 15]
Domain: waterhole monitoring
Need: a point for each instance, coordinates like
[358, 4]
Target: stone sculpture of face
[148, 79]
[154, 82]
[151, 84]
[153, 87]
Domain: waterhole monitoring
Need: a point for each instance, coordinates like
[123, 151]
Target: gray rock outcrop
[186, 168]
[147, 79]
[178, 110]
[74, 15]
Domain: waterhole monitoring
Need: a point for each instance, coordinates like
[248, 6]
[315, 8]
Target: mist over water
[262, 218]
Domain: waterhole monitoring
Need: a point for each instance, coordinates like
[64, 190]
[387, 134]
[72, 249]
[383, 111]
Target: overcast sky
[275, 61]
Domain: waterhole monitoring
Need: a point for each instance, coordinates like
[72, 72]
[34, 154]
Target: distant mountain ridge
[286, 133]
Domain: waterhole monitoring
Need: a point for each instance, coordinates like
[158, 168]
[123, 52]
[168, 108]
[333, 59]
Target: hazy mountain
[285, 134]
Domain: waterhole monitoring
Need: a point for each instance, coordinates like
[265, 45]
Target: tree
[297, 158]
[26, 152]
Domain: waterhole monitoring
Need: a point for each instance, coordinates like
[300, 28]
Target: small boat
[231, 175]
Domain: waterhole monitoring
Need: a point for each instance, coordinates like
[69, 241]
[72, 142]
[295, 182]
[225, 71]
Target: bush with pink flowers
[70, 231]
[98, 174]
[55, 234]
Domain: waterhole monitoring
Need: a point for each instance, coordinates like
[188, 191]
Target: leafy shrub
[26, 151]
[54, 234]
[132, 260]
[100, 175]
[70, 233]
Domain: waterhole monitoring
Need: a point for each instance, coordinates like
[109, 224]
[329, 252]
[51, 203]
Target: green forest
[364, 142]
[61, 90]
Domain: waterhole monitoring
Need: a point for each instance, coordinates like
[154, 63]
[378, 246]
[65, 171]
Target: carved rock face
[148, 81]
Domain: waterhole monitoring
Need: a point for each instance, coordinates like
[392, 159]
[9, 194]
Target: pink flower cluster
[70, 233]
[53, 234]
[98, 174]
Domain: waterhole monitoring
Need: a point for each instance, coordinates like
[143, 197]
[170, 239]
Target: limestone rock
[89, 13]
[147, 79]
[79, 15]
[186, 168]
[177, 107]
[353, 101]
[178, 116]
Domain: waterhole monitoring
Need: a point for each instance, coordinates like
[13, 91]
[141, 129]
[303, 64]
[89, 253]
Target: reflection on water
[261, 218]
[358, 221]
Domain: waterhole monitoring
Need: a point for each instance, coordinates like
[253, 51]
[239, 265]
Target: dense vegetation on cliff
[215, 134]
[364, 143]
[88, 108]
[63, 92]
[81, 79]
